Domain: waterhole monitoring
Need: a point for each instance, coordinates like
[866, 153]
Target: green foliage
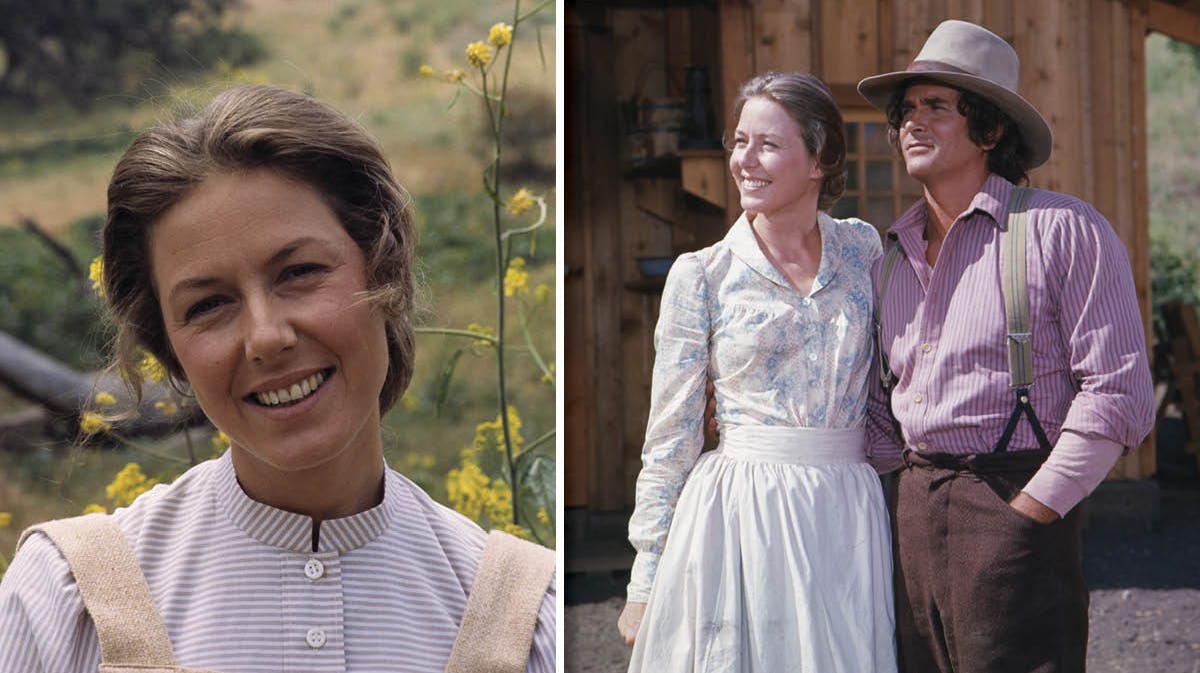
[39, 157]
[1174, 275]
[1173, 139]
[43, 305]
[79, 51]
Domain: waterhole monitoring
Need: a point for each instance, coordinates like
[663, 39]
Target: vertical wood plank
[1104, 85]
[1039, 37]
[599, 171]
[783, 32]
[647, 41]
[737, 65]
[998, 18]
[1139, 251]
[847, 41]
[577, 375]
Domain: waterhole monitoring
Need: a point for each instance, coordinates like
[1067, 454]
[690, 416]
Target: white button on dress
[314, 569]
[315, 638]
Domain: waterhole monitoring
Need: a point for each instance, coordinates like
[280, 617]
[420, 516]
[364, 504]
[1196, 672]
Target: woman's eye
[202, 307]
[301, 271]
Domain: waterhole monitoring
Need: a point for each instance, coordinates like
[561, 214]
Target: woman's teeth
[293, 393]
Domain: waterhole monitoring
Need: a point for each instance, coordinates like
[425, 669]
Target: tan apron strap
[497, 627]
[114, 591]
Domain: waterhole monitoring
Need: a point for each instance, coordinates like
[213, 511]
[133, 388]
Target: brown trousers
[980, 587]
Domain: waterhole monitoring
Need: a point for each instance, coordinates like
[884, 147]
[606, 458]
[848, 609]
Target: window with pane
[878, 189]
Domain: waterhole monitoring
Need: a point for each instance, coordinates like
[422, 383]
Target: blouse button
[812, 357]
[314, 569]
[918, 398]
[921, 446]
[315, 638]
[926, 347]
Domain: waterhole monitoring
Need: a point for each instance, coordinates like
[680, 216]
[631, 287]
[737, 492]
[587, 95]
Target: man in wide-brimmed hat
[1013, 361]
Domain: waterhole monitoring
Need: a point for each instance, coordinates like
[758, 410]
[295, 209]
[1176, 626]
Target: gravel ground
[1145, 599]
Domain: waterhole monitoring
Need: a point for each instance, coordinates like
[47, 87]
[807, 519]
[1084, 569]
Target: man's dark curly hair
[1011, 156]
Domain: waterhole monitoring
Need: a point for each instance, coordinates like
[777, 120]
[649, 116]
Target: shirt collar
[743, 244]
[293, 532]
[992, 199]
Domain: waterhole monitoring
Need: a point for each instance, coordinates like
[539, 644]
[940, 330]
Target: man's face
[933, 136]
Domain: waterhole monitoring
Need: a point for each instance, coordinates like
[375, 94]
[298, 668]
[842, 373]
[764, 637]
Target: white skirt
[778, 559]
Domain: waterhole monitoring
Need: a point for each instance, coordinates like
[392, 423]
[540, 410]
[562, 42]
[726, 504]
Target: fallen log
[63, 391]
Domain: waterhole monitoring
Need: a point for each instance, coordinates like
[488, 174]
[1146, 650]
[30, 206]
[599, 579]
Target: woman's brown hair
[245, 128]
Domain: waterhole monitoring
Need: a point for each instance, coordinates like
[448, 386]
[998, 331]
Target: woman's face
[772, 168]
[259, 287]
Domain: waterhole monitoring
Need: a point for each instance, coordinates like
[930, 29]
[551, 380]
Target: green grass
[1173, 138]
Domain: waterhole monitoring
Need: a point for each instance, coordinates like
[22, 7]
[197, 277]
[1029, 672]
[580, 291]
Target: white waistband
[799, 446]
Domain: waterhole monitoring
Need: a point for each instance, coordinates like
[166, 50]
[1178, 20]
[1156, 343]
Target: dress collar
[293, 532]
[744, 245]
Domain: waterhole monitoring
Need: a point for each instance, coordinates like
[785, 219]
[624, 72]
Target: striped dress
[241, 588]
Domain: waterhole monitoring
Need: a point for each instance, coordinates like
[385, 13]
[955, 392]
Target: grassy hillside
[362, 56]
[1173, 136]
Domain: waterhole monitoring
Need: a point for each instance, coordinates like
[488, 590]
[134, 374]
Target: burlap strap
[497, 627]
[114, 591]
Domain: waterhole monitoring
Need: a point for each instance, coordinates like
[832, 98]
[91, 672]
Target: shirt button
[918, 398]
[314, 569]
[812, 357]
[315, 638]
[921, 446]
[926, 347]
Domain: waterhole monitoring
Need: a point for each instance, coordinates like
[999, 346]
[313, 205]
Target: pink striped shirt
[945, 337]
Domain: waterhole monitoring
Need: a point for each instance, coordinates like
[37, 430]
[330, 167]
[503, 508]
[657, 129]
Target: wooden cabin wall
[1082, 67]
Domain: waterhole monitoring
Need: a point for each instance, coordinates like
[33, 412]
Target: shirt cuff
[1075, 467]
[641, 577]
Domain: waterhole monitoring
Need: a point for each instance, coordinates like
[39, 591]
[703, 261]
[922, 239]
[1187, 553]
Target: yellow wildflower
[456, 75]
[481, 329]
[500, 34]
[548, 377]
[516, 279]
[152, 369]
[166, 408]
[426, 70]
[105, 399]
[220, 440]
[479, 54]
[491, 433]
[541, 292]
[91, 423]
[129, 483]
[5, 519]
[514, 529]
[419, 461]
[543, 516]
[96, 273]
[521, 201]
[94, 508]
[467, 489]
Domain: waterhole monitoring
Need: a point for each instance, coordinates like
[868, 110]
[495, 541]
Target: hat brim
[1035, 132]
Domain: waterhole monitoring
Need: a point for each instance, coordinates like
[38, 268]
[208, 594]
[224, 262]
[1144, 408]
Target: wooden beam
[1173, 21]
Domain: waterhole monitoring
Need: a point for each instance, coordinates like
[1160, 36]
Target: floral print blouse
[775, 357]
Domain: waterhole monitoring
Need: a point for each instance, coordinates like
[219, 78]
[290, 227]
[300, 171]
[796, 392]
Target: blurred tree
[76, 50]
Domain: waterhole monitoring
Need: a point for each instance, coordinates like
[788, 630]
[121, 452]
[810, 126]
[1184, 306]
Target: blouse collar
[744, 245]
[294, 532]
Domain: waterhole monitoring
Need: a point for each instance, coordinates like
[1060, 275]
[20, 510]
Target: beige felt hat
[972, 58]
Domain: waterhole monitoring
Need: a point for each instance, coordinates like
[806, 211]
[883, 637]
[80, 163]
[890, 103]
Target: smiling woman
[263, 252]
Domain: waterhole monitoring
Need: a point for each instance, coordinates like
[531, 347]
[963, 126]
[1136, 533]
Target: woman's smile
[262, 298]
